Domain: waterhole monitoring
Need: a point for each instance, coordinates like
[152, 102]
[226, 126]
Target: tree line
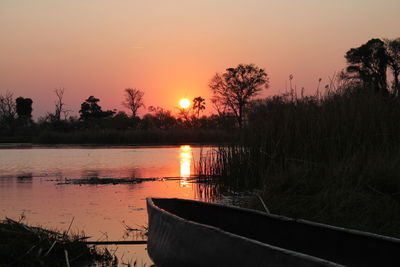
[233, 95]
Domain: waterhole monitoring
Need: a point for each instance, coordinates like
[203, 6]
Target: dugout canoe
[192, 233]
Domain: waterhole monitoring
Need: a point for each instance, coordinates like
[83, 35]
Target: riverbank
[124, 137]
[332, 159]
[24, 245]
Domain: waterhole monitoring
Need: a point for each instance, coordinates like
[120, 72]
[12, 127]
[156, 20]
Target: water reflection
[185, 156]
[29, 182]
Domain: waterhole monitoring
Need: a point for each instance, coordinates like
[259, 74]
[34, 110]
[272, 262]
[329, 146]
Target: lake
[32, 183]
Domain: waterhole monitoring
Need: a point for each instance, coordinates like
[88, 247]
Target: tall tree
[91, 110]
[24, 108]
[59, 103]
[237, 86]
[133, 100]
[368, 63]
[393, 52]
[199, 104]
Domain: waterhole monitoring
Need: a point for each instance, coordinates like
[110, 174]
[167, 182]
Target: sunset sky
[171, 49]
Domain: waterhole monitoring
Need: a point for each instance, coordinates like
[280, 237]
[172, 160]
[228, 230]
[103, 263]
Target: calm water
[31, 184]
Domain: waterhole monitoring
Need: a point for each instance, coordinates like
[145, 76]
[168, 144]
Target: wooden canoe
[193, 233]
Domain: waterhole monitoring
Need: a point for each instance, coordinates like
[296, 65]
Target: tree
[24, 108]
[235, 88]
[368, 63]
[393, 52]
[7, 107]
[199, 104]
[91, 110]
[161, 118]
[133, 100]
[59, 104]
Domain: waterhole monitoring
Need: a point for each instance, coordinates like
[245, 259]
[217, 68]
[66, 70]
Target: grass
[23, 245]
[332, 159]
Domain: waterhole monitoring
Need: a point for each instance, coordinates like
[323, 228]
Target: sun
[184, 103]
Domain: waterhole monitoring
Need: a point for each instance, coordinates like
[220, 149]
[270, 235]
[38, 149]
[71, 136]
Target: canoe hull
[174, 241]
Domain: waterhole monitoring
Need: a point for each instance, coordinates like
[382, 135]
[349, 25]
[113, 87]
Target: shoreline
[94, 146]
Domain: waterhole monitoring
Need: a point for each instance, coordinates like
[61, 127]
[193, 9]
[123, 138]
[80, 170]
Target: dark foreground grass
[23, 245]
[345, 194]
[334, 160]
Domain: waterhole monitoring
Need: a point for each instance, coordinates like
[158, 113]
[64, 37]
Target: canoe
[192, 233]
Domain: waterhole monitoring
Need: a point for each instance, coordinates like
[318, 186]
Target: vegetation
[91, 110]
[23, 245]
[234, 89]
[393, 52]
[133, 100]
[333, 158]
[321, 159]
[95, 126]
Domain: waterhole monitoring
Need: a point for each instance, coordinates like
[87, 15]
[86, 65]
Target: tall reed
[321, 158]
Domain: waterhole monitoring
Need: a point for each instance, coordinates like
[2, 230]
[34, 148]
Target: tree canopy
[91, 110]
[199, 104]
[393, 52]
[235, 88]
[24, 107]
[368, 63]
[133, 100]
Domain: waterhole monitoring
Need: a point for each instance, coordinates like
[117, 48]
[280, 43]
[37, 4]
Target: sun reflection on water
[185, 170]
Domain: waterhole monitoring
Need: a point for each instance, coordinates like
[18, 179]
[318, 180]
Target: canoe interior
[346, 247]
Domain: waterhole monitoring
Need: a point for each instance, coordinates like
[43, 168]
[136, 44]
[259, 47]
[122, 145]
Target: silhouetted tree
[133, 100]
[393, 52]
[368, 63]
[185, 117]
[59, 104]
[7, 107]
[24, 108]
[199, 104]
[161, 119]
[236, 87]
[91, 110]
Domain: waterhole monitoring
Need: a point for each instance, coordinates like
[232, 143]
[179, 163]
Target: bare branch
[133, 100]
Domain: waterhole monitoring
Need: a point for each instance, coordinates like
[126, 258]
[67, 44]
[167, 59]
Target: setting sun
[184, 103]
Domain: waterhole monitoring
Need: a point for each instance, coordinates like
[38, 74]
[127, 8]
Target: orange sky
[170, 49]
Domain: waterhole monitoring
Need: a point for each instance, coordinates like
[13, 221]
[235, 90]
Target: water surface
[32, 183]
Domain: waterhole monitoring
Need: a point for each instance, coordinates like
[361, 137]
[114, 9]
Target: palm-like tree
[199, 104]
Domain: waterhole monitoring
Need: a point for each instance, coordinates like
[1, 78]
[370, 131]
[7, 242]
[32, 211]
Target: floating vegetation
[23, 245]
[206, 179]
[113, 181]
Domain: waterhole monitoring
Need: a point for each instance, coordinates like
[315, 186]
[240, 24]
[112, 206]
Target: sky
[170, 49]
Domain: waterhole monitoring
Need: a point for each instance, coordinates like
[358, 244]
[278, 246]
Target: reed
[23, 245]
[320, 158]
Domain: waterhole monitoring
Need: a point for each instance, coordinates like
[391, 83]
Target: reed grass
[23, 245]
[333, 159]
